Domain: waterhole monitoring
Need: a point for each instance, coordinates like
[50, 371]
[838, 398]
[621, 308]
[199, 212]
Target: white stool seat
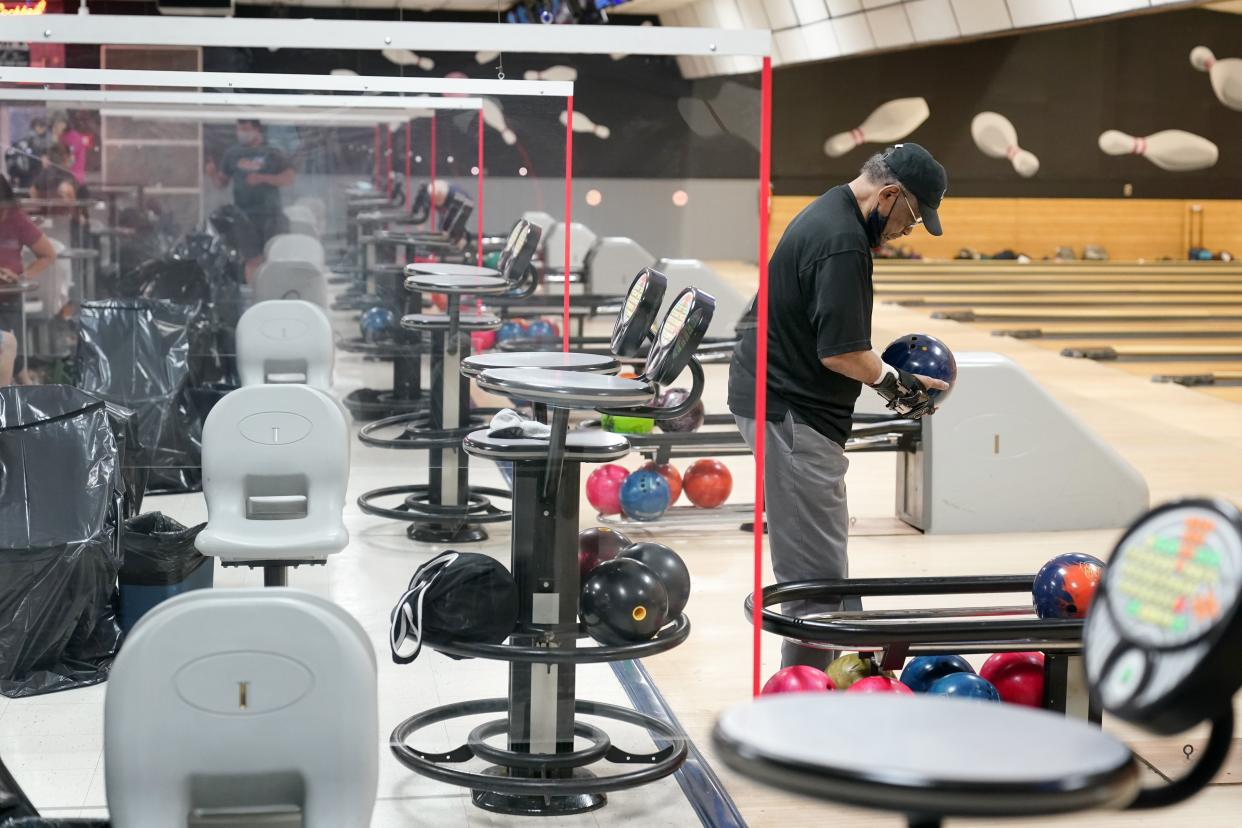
[291, 279]
[285, 341]
[295, 247]
[258, 703]
[275, 469]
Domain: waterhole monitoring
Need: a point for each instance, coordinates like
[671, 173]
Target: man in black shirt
[258, 172]
[819, 357]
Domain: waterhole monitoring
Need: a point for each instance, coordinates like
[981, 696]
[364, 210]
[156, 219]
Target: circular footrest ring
[502, 757]
[387, 349]
[415, 435]
[666, 639]
[415, 509]
[653, 766]
[371, 405]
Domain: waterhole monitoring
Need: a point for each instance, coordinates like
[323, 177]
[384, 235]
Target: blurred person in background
[17, 234]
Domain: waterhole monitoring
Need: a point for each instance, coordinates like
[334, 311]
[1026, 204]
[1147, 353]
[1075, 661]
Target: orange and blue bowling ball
[925, 355]
[1065, 586]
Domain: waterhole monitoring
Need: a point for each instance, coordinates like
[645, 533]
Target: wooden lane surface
[917, 289]
[1010, 265]
[1230, 313]
[1155, 351]
[1123, 330]
[973, 300]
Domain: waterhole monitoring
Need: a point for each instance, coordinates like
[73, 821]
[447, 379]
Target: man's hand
[931, 383]
[906, 393]
[255, 179]
[8, 276]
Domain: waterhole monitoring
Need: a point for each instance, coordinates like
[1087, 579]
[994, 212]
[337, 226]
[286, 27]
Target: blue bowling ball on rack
[923, 671]
[377, 323]
[645, 495]
[923, 354]
[541, 329]
[510, 330]
[965, 686]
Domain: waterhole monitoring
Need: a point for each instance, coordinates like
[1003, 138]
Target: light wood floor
[1181, 440]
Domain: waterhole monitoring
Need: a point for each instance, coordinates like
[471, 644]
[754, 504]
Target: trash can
[159, 561]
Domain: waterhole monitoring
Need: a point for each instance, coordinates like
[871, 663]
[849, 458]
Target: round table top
[928, 755]
[566, 389]
[549, 360]
[14, 288]
[449, 282]
[387, 268]
[398, 237]
[450, 269]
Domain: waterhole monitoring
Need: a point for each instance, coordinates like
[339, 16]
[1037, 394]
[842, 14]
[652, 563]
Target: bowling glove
[903, 393]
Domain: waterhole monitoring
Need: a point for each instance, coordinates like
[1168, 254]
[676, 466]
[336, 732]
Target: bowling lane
[1138, 350]
[917, 289]
[1126, 299]
[1232, 313]
[1124, 330]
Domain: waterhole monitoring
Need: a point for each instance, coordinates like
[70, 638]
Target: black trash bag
[158, 551]
[135, 353]
[62, 496]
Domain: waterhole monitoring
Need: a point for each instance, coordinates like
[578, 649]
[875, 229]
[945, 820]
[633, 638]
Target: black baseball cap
[923, 176]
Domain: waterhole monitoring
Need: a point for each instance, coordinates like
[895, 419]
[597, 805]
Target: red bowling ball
[1018, 677]
[603, 488]
[798, 679]
[671, 476]
[880, 684]
[707, 483]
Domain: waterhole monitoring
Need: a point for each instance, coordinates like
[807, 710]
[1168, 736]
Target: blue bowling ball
[541, 329]
[923, 671]
[645, 495]
[922, 354]
[964, 686]
[510, 330]
[377, 323]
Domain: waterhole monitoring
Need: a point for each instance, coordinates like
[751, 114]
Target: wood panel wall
[1129, 229]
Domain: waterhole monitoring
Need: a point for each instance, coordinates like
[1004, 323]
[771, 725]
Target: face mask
[875, 227]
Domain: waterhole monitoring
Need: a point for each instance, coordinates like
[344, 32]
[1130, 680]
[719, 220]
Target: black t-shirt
[819, 305]
[241, 161]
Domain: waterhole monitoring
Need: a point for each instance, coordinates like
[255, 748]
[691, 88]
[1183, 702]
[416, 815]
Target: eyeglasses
[917, 218]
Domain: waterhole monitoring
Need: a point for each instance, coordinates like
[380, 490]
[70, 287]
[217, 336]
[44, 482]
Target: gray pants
[808, 519]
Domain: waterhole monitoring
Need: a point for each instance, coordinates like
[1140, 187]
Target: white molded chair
[285, 341]
[243, 707]
[294, 247]
[301, 220]
[318, 209]
[291, 280]
[275, 469]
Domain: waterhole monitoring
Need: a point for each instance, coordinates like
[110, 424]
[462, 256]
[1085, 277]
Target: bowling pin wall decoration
[494, 117]
[553, 73]
[1226, 75]
[891, 121]
[404, 57]
[584, 124]
[1174, 150]
[996, 137]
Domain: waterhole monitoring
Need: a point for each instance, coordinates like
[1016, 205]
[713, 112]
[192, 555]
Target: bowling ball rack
[894, 635]
[719, 437]
[448, 508]
[519, 781]
[542, 770]
[405, 351]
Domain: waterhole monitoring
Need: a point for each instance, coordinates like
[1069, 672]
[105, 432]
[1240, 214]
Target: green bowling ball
[492, 259]
[852, 667]
[626, 425]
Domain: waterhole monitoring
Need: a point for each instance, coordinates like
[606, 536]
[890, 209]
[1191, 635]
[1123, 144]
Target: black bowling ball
[668, 567]
[623, 601]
